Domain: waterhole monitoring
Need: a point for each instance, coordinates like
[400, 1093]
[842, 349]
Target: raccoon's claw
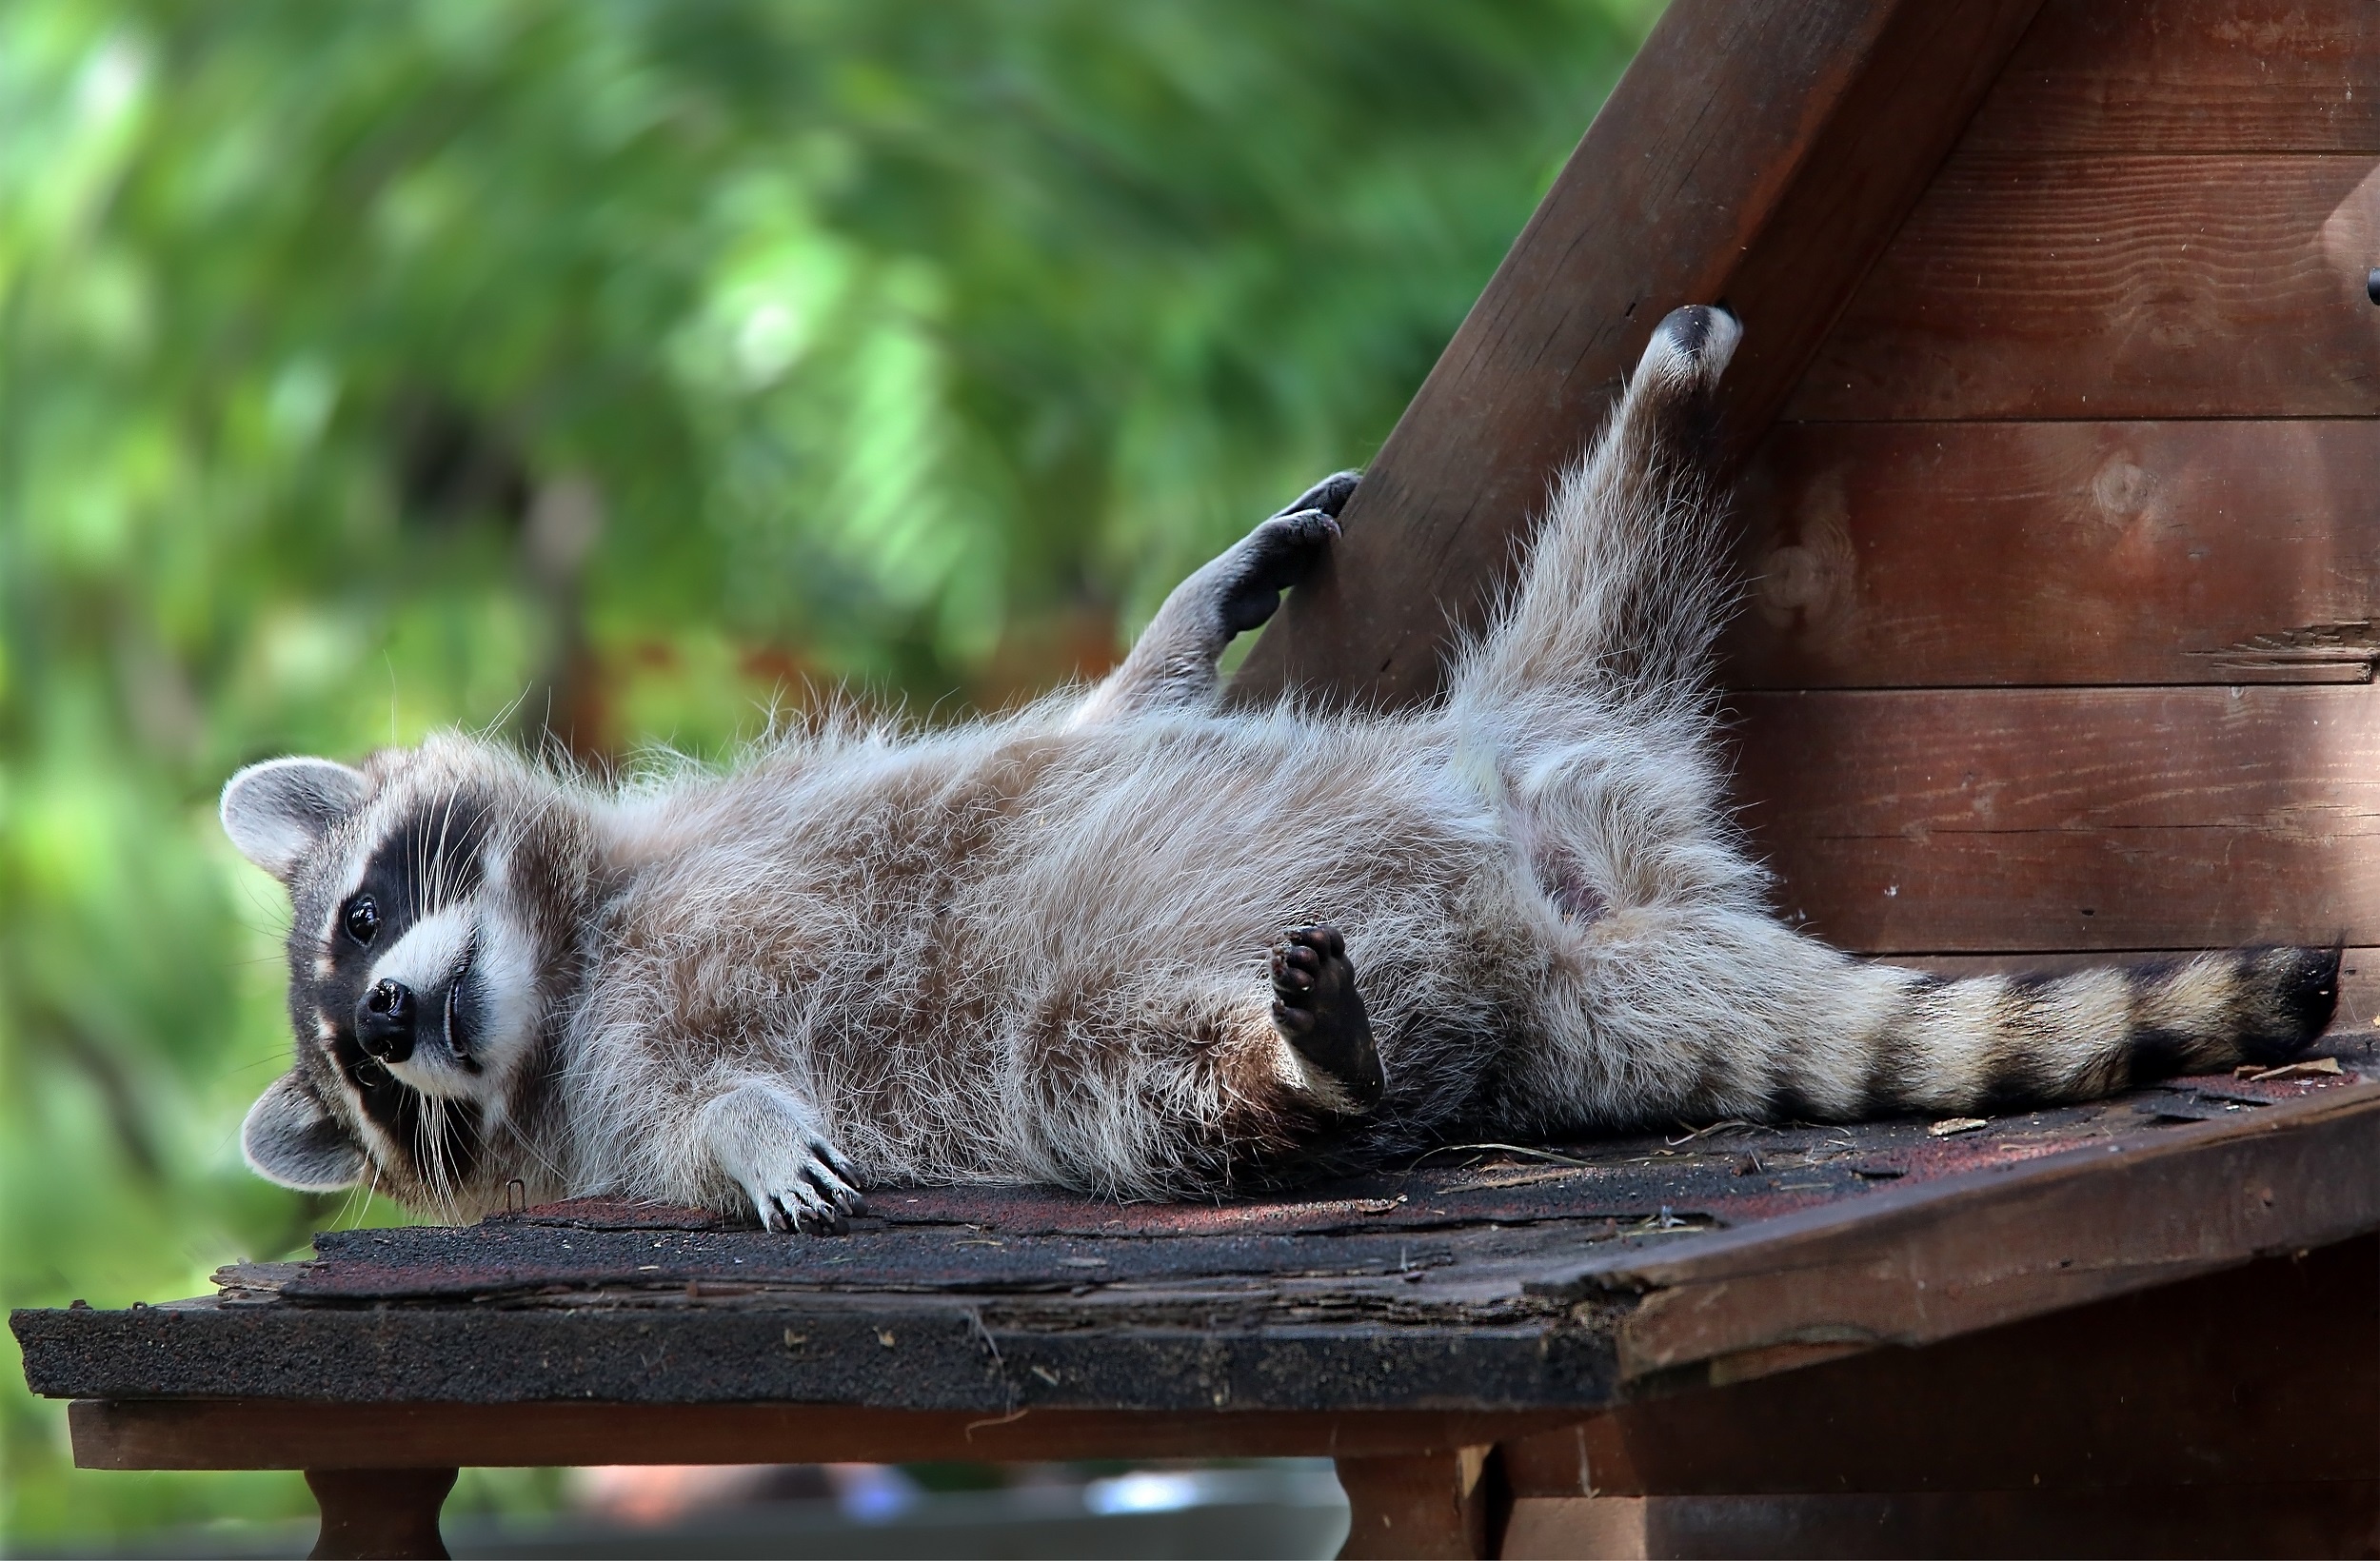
[771, 1146]
[818, 1198]
[1318, 1011]
[1330, 495]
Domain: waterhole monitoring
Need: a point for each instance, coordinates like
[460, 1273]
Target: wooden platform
[1409, 1323]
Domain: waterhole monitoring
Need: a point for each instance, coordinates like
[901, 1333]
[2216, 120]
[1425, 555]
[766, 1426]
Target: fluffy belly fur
[1015, 960]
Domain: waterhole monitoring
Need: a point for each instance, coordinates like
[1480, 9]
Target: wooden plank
[284, 1433]
[2187, 1386]
[2040, 286]
[1759, 154]
[1988, 821]
[2297, 1519]
[1938, 554]
[2189, 75]
[1914, 1265]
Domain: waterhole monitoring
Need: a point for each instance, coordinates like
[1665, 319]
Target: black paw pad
[1317, 1010]
[1279, 554]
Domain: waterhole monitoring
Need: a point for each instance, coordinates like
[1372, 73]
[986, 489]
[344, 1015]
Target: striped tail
[1995, 1042]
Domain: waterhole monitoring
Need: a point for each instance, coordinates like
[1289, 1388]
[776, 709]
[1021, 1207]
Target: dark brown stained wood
[2189, 75]
[1756, 154]
[280, 1434]
[1917, 1265]
[1427, 1504]
[1933, 554]
[385, 1512]
[2298, 1520]
[2104, 286]
[1983, 820]
[2264, 1373]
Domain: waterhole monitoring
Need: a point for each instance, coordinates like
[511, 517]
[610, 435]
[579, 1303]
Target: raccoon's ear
[278, 811]
[289, 1139]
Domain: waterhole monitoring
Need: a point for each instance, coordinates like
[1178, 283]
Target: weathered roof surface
[1484, 1276]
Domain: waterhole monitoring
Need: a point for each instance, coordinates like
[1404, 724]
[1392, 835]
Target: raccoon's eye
[362, 920]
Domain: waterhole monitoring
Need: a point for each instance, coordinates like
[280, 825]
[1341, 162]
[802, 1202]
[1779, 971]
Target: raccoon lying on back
[1131, 942]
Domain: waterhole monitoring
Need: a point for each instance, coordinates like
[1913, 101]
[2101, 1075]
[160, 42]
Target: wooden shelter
[2055, 418]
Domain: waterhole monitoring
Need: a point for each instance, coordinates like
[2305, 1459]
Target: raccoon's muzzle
[388, 1020]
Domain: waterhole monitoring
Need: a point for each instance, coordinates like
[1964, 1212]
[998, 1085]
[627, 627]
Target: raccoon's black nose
[383, 1021]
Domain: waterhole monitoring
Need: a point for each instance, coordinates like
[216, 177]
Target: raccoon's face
[434, 897]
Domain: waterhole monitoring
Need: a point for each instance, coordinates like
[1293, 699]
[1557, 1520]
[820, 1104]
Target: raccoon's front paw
[768, 1145]
[1318, 1011]
[809, 1188]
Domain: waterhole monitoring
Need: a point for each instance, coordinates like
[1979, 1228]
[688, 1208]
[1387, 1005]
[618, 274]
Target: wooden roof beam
[1756, 154]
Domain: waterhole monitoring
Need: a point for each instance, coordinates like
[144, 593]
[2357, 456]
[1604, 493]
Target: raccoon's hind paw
[1690, 346]
[1318, 1011]
[1329, 496]
[1276, 555]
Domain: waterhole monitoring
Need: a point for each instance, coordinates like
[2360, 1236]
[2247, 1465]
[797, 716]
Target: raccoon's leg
[1173, 662]
[1696, 1014]
[770, 1144]
[1622, 591]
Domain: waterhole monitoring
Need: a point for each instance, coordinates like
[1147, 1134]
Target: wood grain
[1997, 1409]
[2105, 287]
[1756, 154]
[2189, 75]
[2013, 820]
[1932, 554]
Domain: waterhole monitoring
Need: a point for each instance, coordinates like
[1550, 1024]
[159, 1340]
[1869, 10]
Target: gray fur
[1041, 947]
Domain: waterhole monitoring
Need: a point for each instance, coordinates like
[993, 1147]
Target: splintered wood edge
[1913, 1265]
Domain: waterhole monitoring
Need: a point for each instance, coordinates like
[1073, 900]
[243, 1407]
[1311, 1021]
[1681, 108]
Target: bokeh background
[608, 372]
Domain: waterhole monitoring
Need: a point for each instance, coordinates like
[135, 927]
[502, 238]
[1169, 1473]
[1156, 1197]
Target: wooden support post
[380, 1512]
[1424, 1504]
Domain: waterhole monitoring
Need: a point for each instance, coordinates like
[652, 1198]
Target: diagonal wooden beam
[1759, 154]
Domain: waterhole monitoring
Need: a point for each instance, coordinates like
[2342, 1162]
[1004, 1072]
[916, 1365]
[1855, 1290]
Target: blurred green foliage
[614, 368]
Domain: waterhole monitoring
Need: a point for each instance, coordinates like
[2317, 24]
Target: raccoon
[1130, 941]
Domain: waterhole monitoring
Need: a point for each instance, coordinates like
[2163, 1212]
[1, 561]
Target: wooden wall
[2068, 547]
